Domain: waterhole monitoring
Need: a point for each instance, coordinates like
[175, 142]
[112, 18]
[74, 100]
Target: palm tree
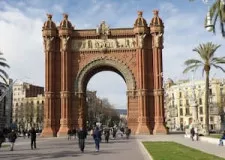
[3, 75]
[217, 10]
[207, 60]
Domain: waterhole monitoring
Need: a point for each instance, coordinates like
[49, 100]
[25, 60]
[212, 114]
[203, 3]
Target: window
[201, 119]
[200, 110]
[187, 102]
[180, 94]
[211, 119]
[200, 101]
[181, 102]
[181, 120]
[187, 111]
[181, 111]
[210, 91]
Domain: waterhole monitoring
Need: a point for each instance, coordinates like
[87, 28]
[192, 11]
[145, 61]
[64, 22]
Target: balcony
[214, 110]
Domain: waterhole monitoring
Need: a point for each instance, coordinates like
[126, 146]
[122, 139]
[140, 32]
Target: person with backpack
[97, 138]
[12, 139]
[82, 134]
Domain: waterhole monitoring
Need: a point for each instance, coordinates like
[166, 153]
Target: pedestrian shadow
[30, 155]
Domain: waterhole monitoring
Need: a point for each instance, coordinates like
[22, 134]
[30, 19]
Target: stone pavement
[62, 149]
[132, 149]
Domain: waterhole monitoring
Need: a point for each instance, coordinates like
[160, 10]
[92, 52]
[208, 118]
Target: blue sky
[21, 40]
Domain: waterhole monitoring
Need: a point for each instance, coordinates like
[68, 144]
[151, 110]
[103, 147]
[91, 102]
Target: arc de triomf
[73, 56]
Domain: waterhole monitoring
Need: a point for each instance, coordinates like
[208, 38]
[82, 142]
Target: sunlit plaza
[105, 79]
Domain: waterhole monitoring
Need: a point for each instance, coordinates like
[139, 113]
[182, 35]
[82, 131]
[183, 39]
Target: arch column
[143, 118]
[159, 127]
[65, 93]
[49, 106]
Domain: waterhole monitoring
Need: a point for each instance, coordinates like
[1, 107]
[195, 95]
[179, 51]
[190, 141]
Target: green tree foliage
[206, 61]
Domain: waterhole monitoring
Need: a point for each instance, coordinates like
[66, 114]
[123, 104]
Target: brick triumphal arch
[73, 56]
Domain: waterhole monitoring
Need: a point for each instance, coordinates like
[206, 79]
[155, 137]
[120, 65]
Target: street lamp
[209, 26]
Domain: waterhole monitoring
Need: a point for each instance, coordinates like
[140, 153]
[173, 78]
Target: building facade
[28, 106]
[179, 98]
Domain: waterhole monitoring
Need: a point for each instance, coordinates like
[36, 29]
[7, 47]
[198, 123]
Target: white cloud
[21, 43]
[21, 37]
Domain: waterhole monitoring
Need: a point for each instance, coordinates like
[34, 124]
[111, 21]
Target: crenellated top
[65, 23]
[140, 25]
[140, 21]
[156, 24]
[49, 24]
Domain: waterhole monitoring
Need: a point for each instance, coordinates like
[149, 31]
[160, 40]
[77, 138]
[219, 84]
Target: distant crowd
[98, 133]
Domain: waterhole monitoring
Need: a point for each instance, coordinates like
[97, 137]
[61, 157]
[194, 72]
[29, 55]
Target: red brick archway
[73, 56]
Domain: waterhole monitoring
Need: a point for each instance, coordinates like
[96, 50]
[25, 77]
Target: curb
[147, 156]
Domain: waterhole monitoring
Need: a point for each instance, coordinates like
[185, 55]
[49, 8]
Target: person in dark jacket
[33, 138]
[2, 138]
[12, 139]
[192, 133]
[106, 133]
[221, 139]
[97, 138]
[82, 134]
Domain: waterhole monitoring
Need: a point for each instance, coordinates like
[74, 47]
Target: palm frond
[3, 64]
[192, 68]
[217, 60]
[192, 61]
[4, 73]
[4, 79]
[217, 66]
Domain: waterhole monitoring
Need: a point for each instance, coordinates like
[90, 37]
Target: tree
[3, 74]
[207, 60]
[217, 9]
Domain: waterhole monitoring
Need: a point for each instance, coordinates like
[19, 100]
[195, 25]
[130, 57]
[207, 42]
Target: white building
[179, 98]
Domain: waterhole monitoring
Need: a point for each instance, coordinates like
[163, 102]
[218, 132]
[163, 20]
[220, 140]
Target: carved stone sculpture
[64, 43]
[48, 43]
[141, 40]
[158, 40]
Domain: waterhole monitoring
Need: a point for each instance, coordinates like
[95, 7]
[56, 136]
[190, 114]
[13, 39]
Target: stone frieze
[99, 44]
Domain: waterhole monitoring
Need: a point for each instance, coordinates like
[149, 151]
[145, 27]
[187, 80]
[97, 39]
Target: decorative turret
[156, 25]
[49, 28]
[65, 28]
[140, 25]
[65, 23]
[49, 24]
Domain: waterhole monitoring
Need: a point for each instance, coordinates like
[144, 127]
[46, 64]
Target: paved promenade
[62, 149]
[119, 149]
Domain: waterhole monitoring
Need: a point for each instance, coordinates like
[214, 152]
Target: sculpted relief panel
[99, 44]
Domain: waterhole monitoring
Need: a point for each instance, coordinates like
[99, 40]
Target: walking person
[74, 133]
[33, 138]
[69, 132]
[221, 139]
[2, 138]
[196, 133]
[192, 133]
[97, 138]
[106, 133]
[82, 134]
[12, 139]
